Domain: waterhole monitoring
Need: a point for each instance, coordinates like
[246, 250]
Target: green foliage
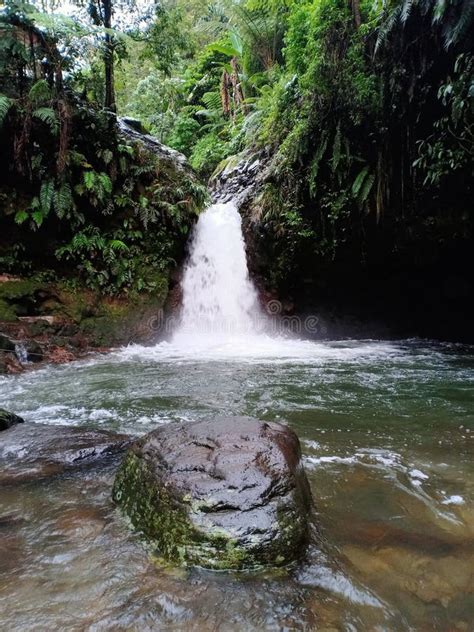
[363, 124]
[5, 105]
[184, 133]
[450, 148]
[208, 153]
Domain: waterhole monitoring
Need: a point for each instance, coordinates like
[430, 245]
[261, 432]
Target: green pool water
[387, 436]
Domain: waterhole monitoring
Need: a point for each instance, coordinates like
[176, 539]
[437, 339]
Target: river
[387, 432]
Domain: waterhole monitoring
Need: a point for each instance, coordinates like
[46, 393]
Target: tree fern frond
[465, 23]
[40, 91]
[212, 100]
[5, 105]
[49, 117]
[405, 10]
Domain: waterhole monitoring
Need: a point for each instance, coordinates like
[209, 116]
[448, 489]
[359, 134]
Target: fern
[49, 117]
[212, 100]
[462, 27]
[117, 244]
[406, 9]
[37, 217]
[40, 92]
[104, 183]
[46, 196]
[62, 200]
[21, 216]
[5, 105]
[359, 181]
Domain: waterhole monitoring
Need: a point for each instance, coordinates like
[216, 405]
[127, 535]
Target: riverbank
[53, 322]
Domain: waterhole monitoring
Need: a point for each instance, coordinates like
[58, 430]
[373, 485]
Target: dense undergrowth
[365, 110]
[80, 201]
[362, 110]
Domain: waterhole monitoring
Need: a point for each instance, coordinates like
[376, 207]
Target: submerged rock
[8, 419]
[32, 451]
[226, 494]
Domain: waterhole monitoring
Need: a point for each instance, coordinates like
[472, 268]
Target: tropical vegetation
[362, 112]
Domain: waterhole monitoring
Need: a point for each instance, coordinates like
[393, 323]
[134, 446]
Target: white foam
[454, 500]
[257, 348]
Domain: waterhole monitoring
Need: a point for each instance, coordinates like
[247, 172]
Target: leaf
[237, 43]
[365, 190]
[89, 180]
[225, 50]
[21, 216]
[357, 184]
[5, 105]
[117, 244]
[46, 196]
[62, 200]
[40, 91]
[107, 156]
[37, 217]
[48, 116]
[105, 182]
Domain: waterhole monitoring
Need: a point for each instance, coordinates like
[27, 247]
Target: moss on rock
[227, 495]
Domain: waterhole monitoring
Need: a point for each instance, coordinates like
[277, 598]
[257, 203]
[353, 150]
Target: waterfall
[219, 299]
[221, 318]
[21, 352]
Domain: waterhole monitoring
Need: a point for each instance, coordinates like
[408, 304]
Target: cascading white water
[219, 298]
[221, 318]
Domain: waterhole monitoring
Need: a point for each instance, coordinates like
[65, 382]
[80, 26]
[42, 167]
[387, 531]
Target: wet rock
[9, 364]
[129, 130]
[226, 494]
[34, 351]
[32, 451]
[6, 344]
[239, 176]
[134, 123]
[8, 419]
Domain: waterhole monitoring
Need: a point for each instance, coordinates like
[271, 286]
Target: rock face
[225, 494]
[7, 419]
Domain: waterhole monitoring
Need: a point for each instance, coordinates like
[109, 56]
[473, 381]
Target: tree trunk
[356, 12]
[109, 58]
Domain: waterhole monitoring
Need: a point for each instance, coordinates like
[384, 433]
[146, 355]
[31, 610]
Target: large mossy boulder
[224, 494]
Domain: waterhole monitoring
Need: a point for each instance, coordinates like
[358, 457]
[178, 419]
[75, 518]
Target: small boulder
[224, 494]
[7, 419]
